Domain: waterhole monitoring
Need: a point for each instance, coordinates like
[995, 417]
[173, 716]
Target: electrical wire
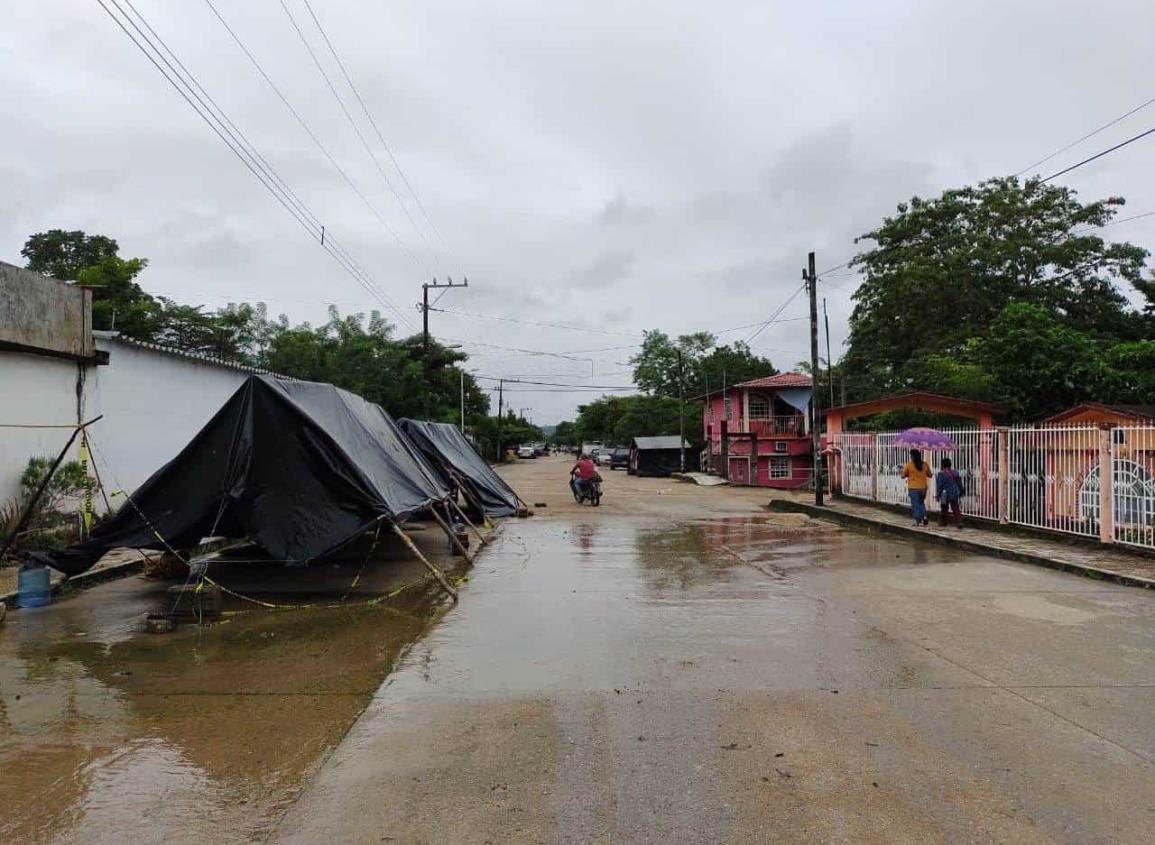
[356, 128]
[220, 125]
[544, 324]
[556, 384]
[1099, 155]
[376, 128]
[774, 316]
[1090, 134]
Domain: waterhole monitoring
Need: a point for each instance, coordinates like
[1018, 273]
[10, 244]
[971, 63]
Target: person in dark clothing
[949, 486]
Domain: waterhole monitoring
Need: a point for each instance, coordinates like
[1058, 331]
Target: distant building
[658, 457]
[758, 432]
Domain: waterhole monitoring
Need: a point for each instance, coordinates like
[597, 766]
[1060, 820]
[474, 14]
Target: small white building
[54, 375]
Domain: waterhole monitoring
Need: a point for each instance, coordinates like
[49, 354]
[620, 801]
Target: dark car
[620, 459]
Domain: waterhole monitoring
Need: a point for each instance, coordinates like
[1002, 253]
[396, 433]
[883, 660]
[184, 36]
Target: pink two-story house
[758, 432]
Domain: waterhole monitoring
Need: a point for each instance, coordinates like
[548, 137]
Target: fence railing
[1050, 478]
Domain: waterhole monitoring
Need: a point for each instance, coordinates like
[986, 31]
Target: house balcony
[779, 426]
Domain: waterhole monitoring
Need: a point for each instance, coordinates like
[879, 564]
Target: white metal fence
[1050, 478]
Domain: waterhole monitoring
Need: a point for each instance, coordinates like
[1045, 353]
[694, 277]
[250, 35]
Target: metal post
[425, 349]
[815, 441]
[462, 401]
[1004, 448]
[1106, 487]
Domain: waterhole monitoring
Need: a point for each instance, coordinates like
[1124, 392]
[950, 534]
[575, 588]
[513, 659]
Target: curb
[872, 525]
[84, 580]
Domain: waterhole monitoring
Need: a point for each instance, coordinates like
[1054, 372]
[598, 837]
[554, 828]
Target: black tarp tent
[657, 457]
[297, 467]
[448, 450]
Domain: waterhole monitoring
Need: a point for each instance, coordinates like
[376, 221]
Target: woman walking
[917, 475]
[949, 487]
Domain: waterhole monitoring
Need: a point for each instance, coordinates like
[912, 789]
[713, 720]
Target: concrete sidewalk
[1067, 554]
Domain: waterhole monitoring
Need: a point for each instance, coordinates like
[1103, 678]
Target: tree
[618, 419]
[1039, 364]
[703, 365]
[943, 270]
[62, 255]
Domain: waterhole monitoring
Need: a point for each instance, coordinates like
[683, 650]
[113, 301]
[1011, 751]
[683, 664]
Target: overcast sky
[618, 166]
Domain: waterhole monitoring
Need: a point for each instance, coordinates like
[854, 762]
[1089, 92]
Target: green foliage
[617, 419]
[62, 255]
[565, 434]
[1001, 291]
[514, 431]
[702, 365]
[68, 485]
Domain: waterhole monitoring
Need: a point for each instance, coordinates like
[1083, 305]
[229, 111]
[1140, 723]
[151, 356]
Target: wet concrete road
[674, 667]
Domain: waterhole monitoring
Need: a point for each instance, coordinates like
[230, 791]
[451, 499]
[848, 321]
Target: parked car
[526, 452]
[603, 456]
[620, 459]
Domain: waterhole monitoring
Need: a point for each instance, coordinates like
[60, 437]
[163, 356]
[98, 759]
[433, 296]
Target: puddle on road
[206, 733]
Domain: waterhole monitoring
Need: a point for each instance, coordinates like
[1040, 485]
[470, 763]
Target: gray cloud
[614, 166]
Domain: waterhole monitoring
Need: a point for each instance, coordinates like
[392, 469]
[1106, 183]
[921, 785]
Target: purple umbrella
[925, 438]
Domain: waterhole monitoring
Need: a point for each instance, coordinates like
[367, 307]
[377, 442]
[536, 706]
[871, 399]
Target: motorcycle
[589, 491]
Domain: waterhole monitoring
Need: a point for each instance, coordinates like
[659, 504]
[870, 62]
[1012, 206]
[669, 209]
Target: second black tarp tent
[447, 449]
[297, 467]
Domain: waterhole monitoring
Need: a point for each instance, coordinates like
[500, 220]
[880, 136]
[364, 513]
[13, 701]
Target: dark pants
[950, 506]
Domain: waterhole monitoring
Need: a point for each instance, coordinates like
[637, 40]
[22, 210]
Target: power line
[1090, 134]
[1099, 155]
[774, 316]
[309, 131]
[352, 122]
[221, 125]
[556, 384]
[545, 324]
[376, 128]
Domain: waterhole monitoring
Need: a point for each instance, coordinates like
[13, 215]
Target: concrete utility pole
[816, 443]
[681, 412]
[449, 283]
[500, 410]
[829, 360]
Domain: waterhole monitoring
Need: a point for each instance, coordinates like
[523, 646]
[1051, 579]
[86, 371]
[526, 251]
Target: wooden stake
[437, 573]
[452, 537]
[481, 538]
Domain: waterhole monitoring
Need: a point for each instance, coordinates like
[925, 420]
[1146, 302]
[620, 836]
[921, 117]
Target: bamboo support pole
[481, 538]
[453, 538]
[437, 573]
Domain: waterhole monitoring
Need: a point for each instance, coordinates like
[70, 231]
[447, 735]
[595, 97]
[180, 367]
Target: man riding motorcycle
[581, 474]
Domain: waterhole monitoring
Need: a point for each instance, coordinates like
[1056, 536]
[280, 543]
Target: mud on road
[676, 666]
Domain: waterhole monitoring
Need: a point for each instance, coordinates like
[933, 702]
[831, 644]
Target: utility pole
[829, 360]
[449, 283]
[500, 410]
[681, 412]
[462, 372]
[815, 442]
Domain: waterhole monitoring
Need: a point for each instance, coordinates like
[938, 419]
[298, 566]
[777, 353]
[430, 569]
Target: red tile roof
[781, 381]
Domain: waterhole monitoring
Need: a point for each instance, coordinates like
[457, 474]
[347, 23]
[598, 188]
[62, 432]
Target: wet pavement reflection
[207, 732]
[602, 674]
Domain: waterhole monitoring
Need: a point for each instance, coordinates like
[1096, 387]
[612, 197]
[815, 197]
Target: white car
[526, 452]
[603, 457]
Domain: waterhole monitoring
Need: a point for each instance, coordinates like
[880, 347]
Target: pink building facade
[757, 433]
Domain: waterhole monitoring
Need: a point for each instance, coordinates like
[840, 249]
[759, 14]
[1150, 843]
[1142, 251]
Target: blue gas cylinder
[33, 587]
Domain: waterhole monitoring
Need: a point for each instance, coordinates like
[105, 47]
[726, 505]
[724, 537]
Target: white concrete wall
[35, 390]
[153, 403]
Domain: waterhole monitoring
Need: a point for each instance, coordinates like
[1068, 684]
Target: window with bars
[780, 467]
[781, 446]
[728, 412]
[760, 407]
